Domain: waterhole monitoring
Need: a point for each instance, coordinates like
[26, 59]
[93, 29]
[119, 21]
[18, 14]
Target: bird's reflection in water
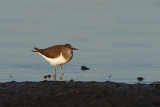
[54, 77]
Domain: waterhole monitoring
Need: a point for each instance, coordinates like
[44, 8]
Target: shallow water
[117, 40]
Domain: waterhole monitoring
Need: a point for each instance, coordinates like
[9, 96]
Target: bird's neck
[68, 56]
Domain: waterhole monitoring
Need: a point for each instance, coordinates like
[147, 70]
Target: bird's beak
[74, 49]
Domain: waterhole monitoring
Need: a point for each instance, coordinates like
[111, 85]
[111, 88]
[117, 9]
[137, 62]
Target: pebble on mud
[140, 78]
[83, 68]
[45, 76]
[49, 76]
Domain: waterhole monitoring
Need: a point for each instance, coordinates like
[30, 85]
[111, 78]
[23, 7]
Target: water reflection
[54, 77]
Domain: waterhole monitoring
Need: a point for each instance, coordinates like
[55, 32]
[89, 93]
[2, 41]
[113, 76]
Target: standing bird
[57, 55]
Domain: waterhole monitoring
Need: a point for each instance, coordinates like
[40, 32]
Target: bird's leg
[61, 69]
[54, 77]
[54, 69]
[61, 77]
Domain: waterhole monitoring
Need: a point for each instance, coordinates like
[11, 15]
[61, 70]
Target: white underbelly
[55, 61]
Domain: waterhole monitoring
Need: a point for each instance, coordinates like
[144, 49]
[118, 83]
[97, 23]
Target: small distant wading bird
[57, 55]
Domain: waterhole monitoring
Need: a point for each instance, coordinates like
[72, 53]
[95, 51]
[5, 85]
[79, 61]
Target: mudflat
[78, 94]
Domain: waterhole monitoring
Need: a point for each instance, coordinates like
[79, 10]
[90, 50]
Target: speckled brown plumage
[53, 51]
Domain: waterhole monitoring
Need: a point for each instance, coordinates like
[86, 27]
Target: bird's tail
[36, 50]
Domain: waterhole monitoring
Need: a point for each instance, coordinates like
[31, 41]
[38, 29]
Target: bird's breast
[68, 56]
[56, 61]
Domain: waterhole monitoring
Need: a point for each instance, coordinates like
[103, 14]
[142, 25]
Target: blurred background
[117, 40]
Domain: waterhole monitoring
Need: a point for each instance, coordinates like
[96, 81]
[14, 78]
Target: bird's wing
[51, 52]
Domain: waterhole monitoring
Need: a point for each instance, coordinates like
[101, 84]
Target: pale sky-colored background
[118, 38]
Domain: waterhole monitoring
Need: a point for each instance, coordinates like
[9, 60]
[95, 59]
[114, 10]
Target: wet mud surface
[78, 94]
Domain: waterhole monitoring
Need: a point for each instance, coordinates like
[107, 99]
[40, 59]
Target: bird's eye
[66, 49]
